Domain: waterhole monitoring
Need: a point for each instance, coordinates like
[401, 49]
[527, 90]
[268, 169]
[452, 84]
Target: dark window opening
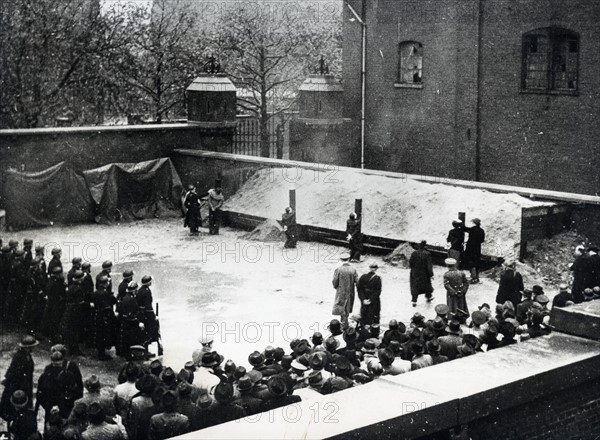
[410, 69]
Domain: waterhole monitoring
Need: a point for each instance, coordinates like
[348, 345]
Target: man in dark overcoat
[18, 376]
[105, 272]
[472, 255]
[344, 281]
[104, 318]
[193, 218]
[456, 238]
[421, 273]
[147, 315]
[369, 293]
[510, 285]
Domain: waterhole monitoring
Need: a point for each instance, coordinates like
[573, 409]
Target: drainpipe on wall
[479, 98]
[363, 77]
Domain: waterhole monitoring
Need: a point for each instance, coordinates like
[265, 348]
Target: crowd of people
[155, 401]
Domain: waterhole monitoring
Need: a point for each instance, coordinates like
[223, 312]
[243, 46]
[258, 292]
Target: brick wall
[569, 414]
[472, 59]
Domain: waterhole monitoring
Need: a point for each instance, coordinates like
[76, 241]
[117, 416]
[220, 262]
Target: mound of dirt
[404, 209]
[268, 231]
[400, 255]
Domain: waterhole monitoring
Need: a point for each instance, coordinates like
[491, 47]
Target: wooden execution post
[293, 199]
[462, 217]
[358, 211]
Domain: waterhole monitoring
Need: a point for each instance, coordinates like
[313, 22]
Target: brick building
[502, 91]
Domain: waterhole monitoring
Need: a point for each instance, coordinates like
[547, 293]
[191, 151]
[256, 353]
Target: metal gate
[247, 136]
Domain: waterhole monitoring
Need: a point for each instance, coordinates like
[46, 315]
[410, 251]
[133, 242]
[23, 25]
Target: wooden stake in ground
[358, 211]
[293, 200]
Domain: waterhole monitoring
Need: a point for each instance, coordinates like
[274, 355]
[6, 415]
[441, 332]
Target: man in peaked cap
[369, 292]
[456, 286]
[344, 281]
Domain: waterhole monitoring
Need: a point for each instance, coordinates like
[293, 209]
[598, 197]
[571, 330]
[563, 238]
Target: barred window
[550, 61]
[410, 69]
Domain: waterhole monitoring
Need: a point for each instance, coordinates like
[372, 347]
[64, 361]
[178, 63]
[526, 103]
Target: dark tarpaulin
[125, 191]
[55, 195]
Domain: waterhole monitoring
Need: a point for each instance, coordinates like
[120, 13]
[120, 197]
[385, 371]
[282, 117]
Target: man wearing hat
[215, 203]
[16, 285]
[125, 391]
[354, 237]
[525, 305]
[24, 423]
[53, 388]
[87, 285]
[224, 408]
[472, 255]
[369, 292]
[40, 253]
[141, 402]
[187, 405]
[105, 322]
[246, 400]
[204, 377]
[18, 376]
[99, 429]
[27, 246]
[75, 266]
[344, 280]
[593, 267]
[421, 273]
[449, 343]
[510, 285]
[420, 359]
[434, 350]
[93, 395]
[169, 423]
[193, 218]
[131, 330]
[4, 280]
[55, 260]
[206, 341]
[456, 286]
[278, 394]
[562, 299]
[456, 238]
[105, 272]
[290, 228]
[34, 301]
[391, 364]
[122, 289]
[149, 317]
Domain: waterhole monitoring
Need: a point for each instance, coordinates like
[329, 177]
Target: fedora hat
[318, 361]
[245, 383]
[370, 345]
[433, 346]
[256, 359]
[19, 399]
[442, 309]
[255, 375]
[146, 383]
[184, 389]
[28, 341]
[277, 386]
[395, 346]
[156, 367]
[208, 360]
[417, 318]
[478, 317]
[332, 344]
[386, 356]
[342, 366]
[316, 380]
[335, 327]
[92, 383]
[239, 372]
[168, 376]
[224, 392]
[438, 324]
[454, 327]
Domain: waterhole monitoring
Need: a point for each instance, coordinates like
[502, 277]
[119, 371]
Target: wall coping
[431, 399]
[493, 187]
[94, 129]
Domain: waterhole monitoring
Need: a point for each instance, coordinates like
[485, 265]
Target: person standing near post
[215, 203]
[456, 238]
[193, 219]
[369, 293]
[456, 285]
[354, 237]
[421, 273]
[345, 278]
[472, 255]
[288, 220]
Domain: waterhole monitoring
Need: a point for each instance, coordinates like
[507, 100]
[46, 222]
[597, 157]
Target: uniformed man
[55, 261]
[75, 266]
[4, 280]
[72, 322]
[27, 245]
[16, 285]
[148, 317]
[456, 286]
[104, 317]
[106, 268]
[122, 289]
[40, 254]
[87, 285]
[55, 294]
[130, 327]
[369, 292]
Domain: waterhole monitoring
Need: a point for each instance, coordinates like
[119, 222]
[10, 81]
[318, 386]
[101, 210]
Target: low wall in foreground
[544, 388]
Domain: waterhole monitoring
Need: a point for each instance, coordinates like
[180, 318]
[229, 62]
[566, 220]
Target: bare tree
[270, 50]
